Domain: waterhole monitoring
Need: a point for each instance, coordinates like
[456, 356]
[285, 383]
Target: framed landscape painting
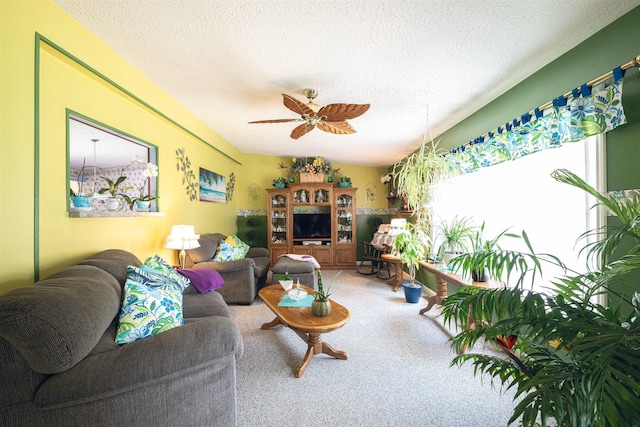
[212, 187]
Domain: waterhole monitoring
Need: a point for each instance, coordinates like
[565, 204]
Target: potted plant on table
[411, 246]
[456, 236]
[571, 360]
[487, 258]
[321, 306]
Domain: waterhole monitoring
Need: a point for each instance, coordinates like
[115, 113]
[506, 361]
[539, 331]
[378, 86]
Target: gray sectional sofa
[242, 278]
[60, 365]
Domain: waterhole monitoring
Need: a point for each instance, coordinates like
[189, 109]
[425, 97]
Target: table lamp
[182, 237]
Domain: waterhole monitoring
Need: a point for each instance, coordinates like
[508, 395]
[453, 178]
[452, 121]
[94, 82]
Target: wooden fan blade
[301, 130]
[341, 112]
[339, 128]
[296, 106]
[277, 121]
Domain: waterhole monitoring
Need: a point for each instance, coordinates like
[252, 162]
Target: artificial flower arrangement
[312, 165]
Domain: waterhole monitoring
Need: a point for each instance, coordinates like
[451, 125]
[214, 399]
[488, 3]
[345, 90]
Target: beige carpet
[397, 372]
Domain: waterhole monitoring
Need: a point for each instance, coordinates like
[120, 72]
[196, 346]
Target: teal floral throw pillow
[161, 266]
[148, 311]
[227, 252]
[236, 241]
[150, 277]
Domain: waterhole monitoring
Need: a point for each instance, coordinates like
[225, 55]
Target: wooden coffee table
[308, 327]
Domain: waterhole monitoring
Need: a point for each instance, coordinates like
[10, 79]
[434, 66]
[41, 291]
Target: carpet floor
[397, 374]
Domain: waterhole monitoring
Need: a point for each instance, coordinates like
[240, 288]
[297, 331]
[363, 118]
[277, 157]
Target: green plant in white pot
[411, 246]
[487, 257]
[456, 236]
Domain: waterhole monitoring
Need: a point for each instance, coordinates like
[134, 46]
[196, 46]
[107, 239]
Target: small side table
[397, 279]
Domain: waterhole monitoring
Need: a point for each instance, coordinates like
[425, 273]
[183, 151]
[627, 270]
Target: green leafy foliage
[571, 360]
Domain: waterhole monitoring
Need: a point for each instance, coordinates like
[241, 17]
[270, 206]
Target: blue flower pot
[81, 201]
[143, 206]
[344, 184]
[279, 184]
[412, 293]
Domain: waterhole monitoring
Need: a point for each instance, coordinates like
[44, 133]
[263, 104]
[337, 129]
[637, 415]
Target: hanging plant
[416, 178]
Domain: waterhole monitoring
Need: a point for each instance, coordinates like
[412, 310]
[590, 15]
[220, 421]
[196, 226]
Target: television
[312, 226]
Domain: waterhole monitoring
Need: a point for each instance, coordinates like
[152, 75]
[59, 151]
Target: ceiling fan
[331, 118]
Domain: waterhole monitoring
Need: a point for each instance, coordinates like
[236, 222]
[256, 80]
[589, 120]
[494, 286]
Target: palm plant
[572, 361]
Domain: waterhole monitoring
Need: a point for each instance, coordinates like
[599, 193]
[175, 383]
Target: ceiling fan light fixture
[311, 95]
[331, 118]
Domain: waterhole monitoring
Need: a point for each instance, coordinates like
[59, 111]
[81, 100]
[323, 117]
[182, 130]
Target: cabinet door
[302, 250]
[275, 251]
[322, 254]
[344, 219]
[278, 222]
[344, 257]
[302, 196]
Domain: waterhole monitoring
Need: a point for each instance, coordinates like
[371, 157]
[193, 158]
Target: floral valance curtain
[584, 115]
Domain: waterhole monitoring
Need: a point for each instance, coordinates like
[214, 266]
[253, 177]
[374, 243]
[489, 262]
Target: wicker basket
[311, 177]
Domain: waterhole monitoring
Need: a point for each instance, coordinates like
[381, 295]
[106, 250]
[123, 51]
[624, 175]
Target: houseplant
[114, 189]
[81, 199]
[571, 360]
[344, 182]
[280, 182]
[456, 236]
[321, 306]
[411, 247]
[417, 176]
[486, 258]
[143, 201]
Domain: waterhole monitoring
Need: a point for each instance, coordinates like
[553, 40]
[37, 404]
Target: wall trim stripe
[36, 163]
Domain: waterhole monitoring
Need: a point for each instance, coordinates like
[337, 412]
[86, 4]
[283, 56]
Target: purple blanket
[203, 279]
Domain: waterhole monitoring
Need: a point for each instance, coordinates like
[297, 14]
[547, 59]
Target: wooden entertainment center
[334, 250]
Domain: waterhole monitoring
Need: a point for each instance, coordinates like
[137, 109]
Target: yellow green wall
[50, 63]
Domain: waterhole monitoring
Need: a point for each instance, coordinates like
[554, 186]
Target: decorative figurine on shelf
[303, 196]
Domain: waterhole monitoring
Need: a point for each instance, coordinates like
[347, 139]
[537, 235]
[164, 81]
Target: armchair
[242, 278]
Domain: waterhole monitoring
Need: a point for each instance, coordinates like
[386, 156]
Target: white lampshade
[182, 237]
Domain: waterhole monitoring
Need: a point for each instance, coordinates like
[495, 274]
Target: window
[521, 195]
[100, 155]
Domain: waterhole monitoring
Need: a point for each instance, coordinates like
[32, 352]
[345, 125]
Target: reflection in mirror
[109, 171]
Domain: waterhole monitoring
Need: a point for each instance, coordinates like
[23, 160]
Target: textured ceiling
[418, 63]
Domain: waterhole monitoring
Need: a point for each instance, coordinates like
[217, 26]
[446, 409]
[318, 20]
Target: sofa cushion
[207, 250]
[147, 311]
[203, 279]
[161, 266]
[113, 261]
[227, 252]
[56, 322]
